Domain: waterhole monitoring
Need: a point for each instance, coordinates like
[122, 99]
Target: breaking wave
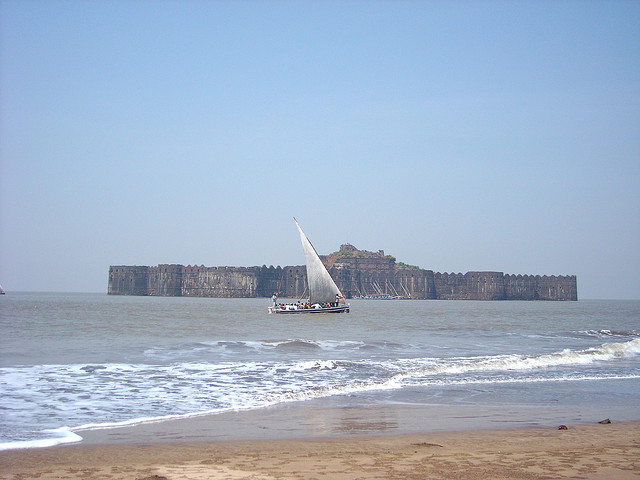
[128, 394]
[603, 353]
[604, 333]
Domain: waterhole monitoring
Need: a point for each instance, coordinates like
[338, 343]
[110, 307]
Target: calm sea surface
[69, 362]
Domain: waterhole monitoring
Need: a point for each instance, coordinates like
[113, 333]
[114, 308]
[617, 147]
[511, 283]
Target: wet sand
[587, 451]
[319, 419]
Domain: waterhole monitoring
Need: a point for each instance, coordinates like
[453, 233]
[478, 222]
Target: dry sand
[593, 451]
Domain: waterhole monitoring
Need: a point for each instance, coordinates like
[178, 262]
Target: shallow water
[73, 361]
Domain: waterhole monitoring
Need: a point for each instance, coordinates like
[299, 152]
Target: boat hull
[339, 309]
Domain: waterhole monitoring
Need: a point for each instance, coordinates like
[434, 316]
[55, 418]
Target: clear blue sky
[456, 136]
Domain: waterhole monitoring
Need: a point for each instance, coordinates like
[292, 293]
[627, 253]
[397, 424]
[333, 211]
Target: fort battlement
[356, 272]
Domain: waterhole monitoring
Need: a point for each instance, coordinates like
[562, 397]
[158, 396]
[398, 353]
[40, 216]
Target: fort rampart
[356, 272]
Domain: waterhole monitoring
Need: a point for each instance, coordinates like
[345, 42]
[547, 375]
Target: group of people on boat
[303, 305]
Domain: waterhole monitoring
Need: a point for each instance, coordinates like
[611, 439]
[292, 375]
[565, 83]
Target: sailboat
[1, 290]
[324, 294]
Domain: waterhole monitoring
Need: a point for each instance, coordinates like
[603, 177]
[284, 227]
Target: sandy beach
[591, 451]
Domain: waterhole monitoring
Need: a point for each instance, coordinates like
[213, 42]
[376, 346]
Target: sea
[70, 363]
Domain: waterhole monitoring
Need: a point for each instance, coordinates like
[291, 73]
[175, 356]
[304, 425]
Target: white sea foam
[604, 333]
[603, 353]
[52, 438]
[492, 381]
[315, 365]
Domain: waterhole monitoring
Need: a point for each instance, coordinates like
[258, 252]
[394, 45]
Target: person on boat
[274, 297]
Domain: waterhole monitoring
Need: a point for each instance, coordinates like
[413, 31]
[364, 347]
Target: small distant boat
[324, 294]
[1, 290]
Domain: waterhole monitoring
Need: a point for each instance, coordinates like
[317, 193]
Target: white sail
[322, 288]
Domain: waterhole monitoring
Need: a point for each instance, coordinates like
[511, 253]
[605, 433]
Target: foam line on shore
[60, 436]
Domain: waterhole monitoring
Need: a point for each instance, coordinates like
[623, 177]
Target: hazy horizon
[455, 136]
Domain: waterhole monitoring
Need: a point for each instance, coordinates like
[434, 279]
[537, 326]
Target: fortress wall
[536, 287]
[370, 282]
[220, 282]
[128, 280]
[194, 282]
[268, 280]
[358, 276]
[521, 287]
[165, 280]
[485, 285]
[557, 287]
[450, 286]
[470, 286]
[497, 286]
[354, 276]
[294, 282]
[414, 283]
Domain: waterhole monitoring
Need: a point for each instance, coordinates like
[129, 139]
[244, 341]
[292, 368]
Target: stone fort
[357, 273]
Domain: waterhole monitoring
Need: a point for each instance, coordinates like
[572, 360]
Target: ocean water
[72, 362]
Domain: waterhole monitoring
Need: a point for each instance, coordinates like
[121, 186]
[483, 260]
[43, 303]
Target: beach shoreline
[324, 419]
[589, 451]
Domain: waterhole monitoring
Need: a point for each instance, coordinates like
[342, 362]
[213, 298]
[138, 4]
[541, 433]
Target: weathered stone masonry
[356, 272]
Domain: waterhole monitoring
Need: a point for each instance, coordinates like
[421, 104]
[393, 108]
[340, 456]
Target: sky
[456, 136]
